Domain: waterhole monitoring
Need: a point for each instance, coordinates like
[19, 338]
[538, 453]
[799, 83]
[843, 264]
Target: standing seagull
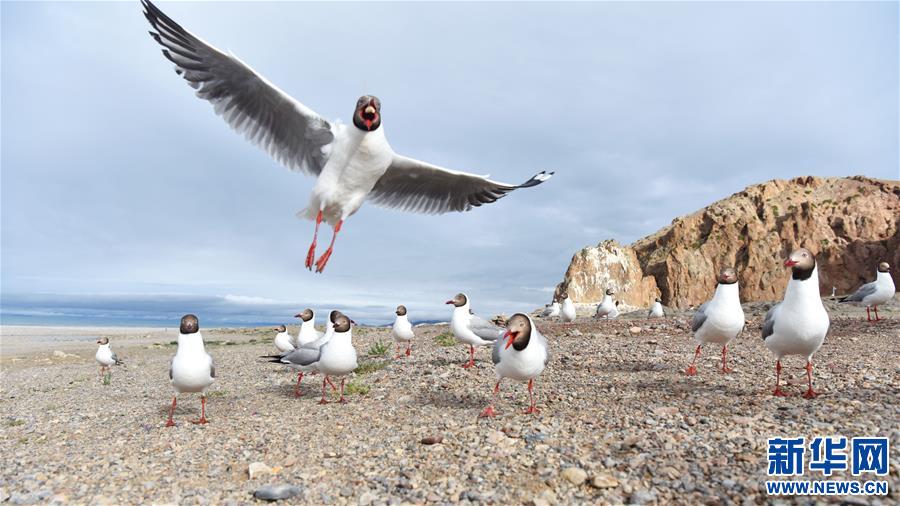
[305, 357]
[283, 340]
[606, 306]
[552, 310]
[308, 333]
[105, 357]
[798, 324]
[352, 163]
[656, 310]
[470, 328]
[402, 331]
[524, 362]
[192, 369]
[719, 320]
[877, 292]
[567, 310]
[338, 356]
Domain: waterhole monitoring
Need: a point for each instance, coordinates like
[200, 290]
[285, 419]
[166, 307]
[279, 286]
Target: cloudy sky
[124, 196]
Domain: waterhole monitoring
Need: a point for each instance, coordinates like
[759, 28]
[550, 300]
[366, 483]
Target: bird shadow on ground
[452, 400]
[636, 366]
[180, 408]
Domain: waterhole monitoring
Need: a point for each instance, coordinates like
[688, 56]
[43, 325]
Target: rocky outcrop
[850, 223]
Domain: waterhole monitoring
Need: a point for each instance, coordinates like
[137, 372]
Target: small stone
[576, 476]
[275, 492]
[432, 440]
[635, 330]
[642, 497]
[665, 410]
[604, 481]
[257, 469]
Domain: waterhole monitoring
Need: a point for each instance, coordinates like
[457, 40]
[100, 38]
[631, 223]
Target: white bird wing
[289, 131]
[412, 185]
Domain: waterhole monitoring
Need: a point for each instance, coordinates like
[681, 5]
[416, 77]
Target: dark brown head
[658, 300]
[341, 323]
[884, 267]
[280, 328]
[802, 262]
[367, 115]
[563, 296]
[610, 291]
[305, 315]
[459, 301]
[189, 324]
[103, 340]
[401, 310]
[518, 332]
[727, 276]
[334, 315]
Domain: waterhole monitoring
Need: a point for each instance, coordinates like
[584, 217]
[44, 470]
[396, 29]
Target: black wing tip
[537, 179]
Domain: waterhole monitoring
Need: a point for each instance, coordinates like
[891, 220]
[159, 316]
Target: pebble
[257, 469]
[574, 475]
[604, 481]
[276, 492]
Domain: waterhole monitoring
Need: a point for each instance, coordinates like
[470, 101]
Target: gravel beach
[620, 423]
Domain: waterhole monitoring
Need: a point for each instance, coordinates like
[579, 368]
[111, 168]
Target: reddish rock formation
[850, 223]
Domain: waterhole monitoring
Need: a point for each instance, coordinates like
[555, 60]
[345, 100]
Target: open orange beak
[789, 263]
[511, 336]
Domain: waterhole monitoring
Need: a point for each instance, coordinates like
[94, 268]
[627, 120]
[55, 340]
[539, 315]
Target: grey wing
[860, 294]
[699, 317]
[212, 367]
[420, 187]
[116, 358]
[289, 131]
[170, 369]
[484, 329]
[302, 356]
[495, 353]
[768, 326]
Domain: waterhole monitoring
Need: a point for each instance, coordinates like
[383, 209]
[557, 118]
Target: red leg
[170, 422]
[323, 400]
[531, 407]
[877, 318]
[471, 361]
[810, 394]
[202, 419]
[489, 411]
[311, 255]
[692, 369]
[320, 264]
[725, 368]
[342, 400]
[398, 352]
[297, 388]
[408, 349]
[868, 314]
[778, 391]
[330, 383]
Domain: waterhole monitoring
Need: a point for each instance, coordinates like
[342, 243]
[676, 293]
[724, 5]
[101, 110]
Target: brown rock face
[851, 224]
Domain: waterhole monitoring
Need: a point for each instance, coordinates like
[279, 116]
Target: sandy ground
[620, 423]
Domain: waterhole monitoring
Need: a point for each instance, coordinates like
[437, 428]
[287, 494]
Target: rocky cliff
[850, 223]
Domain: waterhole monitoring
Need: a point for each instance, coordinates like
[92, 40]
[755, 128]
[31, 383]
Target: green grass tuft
[370, 366]
[356, 387]
[446, 339]
[15, 423]
[217, 393]
[378, 349]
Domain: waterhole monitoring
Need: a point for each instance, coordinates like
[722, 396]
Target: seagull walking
[283, 341]
[192, 368]
[798, 324]
[607, 305]
[351, 163]
[877, 292]
[105, 357]
[567, 308]
[520, 355]
[402, 331]
[656, 309]
[719, 320]
[470, 328]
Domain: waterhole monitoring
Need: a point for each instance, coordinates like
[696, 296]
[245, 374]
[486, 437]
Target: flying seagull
[351, 163]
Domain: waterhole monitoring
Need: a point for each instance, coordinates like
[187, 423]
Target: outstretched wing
[860, 294]
[290, 132]
[420, 187]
